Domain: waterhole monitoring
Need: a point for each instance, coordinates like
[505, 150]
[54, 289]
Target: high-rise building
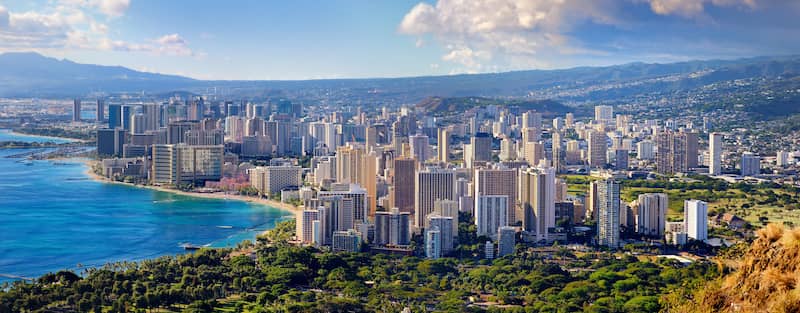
[392, 228]
[598, 147]
[305, 231]
[532, 119]
[346, 241]
[537, 200]
[183, 164]
[110, 142]
[498, 181]
[751, 164]
[100, 113]
[433, 243]
[349, 164]
[270, 180]
[651, 214]
[508, 149]
[432, 184]
[203, 137]
[558, 154]
[604, 114]
[645, 150]
[676, 152]
[569, 120]
[176, 131]
[620, 159]
[354, 192]
[608, 213]
[491, 212]
[76, 110]
[506, 240]
[445, 226]
[573, 154]
[448, 208]
[419, 147]
[403, 180]
[481, 147]
[696, 219]
[443, 145]
[781, 158]
[114, 116]
[533, 152]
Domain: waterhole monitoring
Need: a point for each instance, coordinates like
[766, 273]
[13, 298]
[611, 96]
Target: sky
[303, 39]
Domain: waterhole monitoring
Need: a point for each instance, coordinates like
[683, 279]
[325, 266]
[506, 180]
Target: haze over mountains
[33, 75]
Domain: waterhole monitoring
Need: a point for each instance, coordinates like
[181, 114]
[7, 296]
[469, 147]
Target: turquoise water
[7, 135]
[52, 217]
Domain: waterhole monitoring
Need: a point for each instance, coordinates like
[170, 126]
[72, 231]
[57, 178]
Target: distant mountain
[31, 74]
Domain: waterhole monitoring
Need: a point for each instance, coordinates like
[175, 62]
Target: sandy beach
[297, 211]
[46, 137]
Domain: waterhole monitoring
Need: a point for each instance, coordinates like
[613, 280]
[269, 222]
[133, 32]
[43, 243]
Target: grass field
[757, 206]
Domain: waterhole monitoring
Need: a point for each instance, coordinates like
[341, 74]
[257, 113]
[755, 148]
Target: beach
[296, 211]
[46, 137]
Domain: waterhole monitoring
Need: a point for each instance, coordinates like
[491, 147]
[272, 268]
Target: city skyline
[278, 41]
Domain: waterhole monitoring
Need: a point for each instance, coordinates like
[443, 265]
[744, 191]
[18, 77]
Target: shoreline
[11, 131]
[294, 210]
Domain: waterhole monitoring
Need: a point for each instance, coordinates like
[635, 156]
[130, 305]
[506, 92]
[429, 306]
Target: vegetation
[765, 280]
[55, 132]
[277, 277]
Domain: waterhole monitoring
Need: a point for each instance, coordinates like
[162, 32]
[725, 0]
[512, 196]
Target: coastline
[11, 131]
[296, 211]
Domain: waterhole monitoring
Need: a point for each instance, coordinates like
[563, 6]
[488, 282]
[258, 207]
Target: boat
[225, 226]
[189, 246]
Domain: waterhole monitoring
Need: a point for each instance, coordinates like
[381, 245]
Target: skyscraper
[498, 181]
[751, 164]
[506, 240]
[110, 142]
[604, 114]
[100, 113]
[491, 212]
[419, 147]
[676, 152]
[183, 164]
[403, 180]
[114, 116]
[715, 153]
[533, 152]
[433, 243]
[608, 213]
[537, 200]
[482, 147]
[76, 110]
[598, 147]
[651, 214]
[696, 219]
[392, 227]
[445, 226]
[443, 145]
[558, 154]
[432, 184]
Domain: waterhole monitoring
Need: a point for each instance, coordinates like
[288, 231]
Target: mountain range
[33, 75]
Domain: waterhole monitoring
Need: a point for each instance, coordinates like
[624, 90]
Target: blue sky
[336, 39]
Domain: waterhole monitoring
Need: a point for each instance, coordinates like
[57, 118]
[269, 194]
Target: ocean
[53, 217]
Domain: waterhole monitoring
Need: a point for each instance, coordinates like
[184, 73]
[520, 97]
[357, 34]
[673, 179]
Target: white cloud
[114, 8]
[475, 32]
[3, 17]
[516, 34]
[71, 25]
[693, 8]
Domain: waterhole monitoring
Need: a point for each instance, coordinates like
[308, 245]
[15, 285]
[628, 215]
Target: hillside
[767, 279]
[439, 105]
[34, 75]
